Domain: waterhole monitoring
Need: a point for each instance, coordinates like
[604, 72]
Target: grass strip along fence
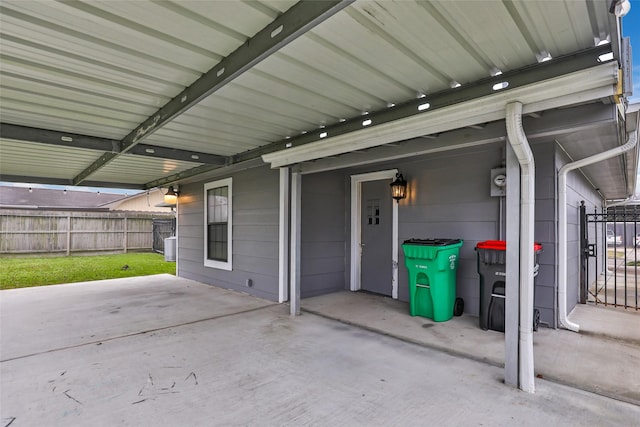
[27, 272]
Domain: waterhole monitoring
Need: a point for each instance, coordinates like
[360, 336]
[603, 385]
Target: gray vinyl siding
[323, 234]
[255, 234]
[545, 232]
[450, 198]
[578, 189]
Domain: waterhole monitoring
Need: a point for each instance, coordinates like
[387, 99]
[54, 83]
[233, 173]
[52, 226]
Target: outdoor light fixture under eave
[171, 197]
[399, 188]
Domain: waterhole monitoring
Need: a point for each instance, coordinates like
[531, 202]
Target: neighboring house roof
[214, 84]
[146, 201]
[44, 198]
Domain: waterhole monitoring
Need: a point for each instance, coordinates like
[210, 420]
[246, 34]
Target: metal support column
[284, 235]
[296, 205]
[512, 280]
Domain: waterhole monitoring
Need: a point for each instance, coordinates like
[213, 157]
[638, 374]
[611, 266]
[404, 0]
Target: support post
[296, 205]
[512, 279]
[284, 236]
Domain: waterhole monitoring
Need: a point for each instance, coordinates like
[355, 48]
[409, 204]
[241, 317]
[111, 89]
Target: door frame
[356, 238]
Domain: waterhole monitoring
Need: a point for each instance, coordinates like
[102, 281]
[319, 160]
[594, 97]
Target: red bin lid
[496, 245]
[501, 245]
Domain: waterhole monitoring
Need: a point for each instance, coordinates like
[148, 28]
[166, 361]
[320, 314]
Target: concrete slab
[597, 362]
[238, 360]
[60, 316]
[262, 367]
[614, 323]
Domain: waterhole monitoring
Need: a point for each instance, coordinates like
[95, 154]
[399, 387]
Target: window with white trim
[217, 224]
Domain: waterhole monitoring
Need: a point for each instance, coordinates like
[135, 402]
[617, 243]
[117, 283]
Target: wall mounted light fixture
[399, 188]
[171, 196]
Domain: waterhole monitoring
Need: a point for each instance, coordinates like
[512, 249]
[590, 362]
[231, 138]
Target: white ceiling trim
[593, 83]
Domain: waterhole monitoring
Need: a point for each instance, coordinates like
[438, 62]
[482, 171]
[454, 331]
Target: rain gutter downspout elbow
[563, 319]
[522, 150]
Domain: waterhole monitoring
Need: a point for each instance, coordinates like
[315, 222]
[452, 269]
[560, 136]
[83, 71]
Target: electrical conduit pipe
[632, 140]
[521, 148]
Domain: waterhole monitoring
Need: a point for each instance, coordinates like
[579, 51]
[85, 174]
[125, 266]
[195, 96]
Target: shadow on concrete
[601, 358]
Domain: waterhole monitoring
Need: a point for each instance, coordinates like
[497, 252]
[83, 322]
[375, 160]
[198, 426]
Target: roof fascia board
[569, 89]
[458, 139]
[569, 120]
[293, 23]
[551, 124]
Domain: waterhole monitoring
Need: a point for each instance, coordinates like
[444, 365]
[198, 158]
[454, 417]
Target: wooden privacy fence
[24, 232]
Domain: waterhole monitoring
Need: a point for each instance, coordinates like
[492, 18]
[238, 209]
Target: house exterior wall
[324, 238]
[545, 295]
[578, 190]
[449, 197]
[255, 234]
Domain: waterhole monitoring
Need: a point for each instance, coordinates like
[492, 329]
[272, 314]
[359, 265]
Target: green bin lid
[432, 242]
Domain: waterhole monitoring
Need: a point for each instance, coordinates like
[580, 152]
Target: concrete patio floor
[161, 350]
[602, 358]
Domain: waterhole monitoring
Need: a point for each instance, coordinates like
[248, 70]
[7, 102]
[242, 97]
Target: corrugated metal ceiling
[100, 68]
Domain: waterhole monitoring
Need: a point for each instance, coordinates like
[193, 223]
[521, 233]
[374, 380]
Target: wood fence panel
[24, 231]
[139, 233]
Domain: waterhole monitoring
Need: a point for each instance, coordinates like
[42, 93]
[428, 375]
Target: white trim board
[356, 202]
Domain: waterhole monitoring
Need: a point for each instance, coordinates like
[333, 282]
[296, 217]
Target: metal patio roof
[140, 94]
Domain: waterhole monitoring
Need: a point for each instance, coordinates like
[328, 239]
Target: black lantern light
[399, 188]
[171, 197]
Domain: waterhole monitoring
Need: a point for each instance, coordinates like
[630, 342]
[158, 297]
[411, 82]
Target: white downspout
[518, 141]
[562, 225]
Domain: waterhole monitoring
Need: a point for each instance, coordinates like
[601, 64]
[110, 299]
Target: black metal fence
[610, 245]
[162, 228]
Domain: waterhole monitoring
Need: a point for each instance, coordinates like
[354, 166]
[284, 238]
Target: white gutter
[520, 145]
[562, 226]
[619, 202]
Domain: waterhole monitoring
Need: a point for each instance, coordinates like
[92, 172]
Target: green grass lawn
[26, 272]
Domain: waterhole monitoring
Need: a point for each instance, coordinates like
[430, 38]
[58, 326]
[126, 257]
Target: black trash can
[492, 271]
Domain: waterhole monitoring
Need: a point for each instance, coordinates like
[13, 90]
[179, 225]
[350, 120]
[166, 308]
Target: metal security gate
[610, 255]
[162, 228]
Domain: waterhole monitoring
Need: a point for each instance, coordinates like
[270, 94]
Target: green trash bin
[432, 265]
